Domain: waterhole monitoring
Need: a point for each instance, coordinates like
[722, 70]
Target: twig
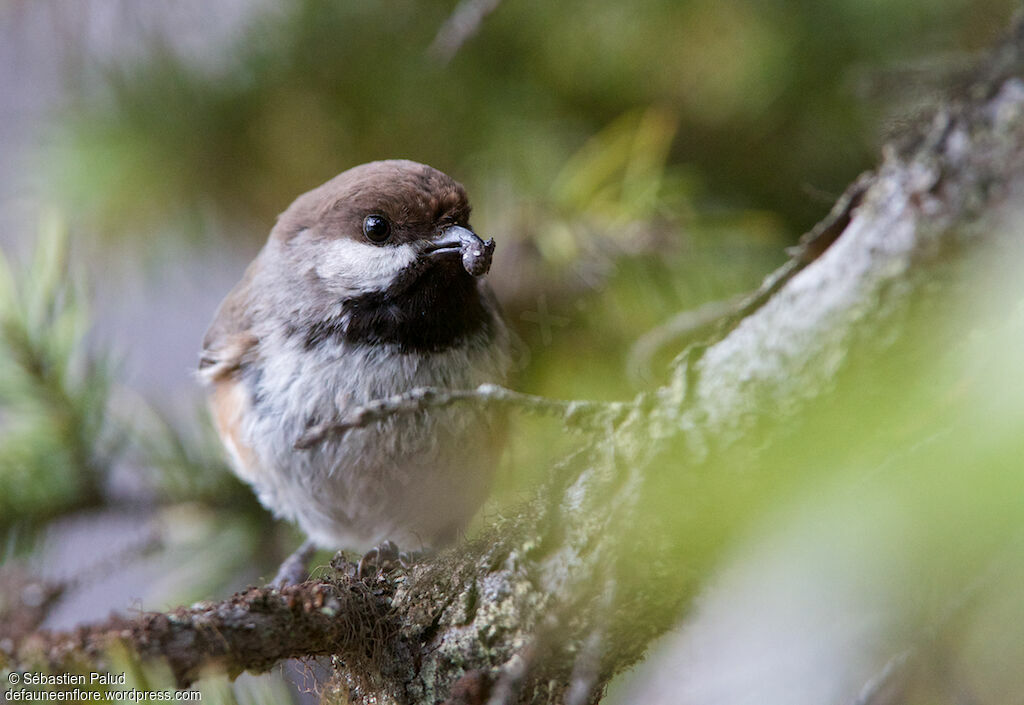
[574, 413]
[460, 27]
[811, 246]
[680, 329]
[716, 319]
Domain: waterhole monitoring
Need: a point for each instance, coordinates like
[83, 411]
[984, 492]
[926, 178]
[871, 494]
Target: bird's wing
[230, 343]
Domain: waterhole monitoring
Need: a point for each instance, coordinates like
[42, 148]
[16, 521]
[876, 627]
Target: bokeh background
[633, 160]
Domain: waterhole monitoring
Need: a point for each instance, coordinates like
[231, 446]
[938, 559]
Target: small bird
[369, 286]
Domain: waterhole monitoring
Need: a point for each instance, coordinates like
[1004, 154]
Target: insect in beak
[457, 240]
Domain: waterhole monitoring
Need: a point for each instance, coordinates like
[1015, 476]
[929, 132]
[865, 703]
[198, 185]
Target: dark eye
[376, 228]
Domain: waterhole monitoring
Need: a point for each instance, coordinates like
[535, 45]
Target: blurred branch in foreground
[886, 352]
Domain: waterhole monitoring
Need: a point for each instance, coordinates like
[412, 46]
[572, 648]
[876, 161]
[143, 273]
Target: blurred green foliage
[67, 427]
[760, 100]
[56, 440]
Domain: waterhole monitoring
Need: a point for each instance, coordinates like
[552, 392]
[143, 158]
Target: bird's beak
[462, 242]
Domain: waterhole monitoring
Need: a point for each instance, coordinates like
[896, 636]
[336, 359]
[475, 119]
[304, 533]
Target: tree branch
[252, 630]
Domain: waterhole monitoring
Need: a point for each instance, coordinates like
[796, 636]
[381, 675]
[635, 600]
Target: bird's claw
[295, 568]
[386, 556]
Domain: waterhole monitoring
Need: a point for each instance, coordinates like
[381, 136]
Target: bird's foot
[386, 556]
[295, 568]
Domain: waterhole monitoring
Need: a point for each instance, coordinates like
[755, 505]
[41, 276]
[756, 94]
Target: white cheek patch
[359, 267]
